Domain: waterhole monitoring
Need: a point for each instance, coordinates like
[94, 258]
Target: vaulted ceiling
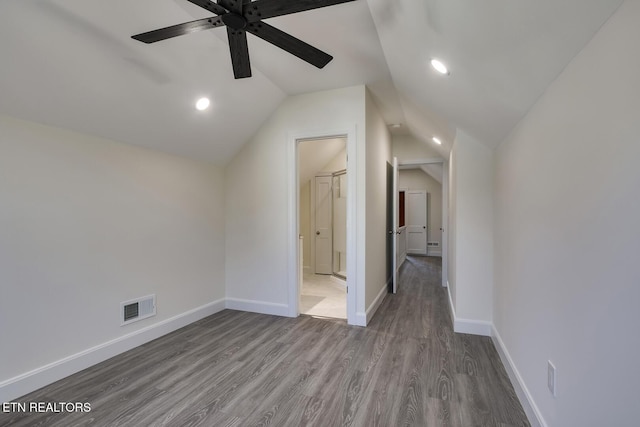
[72, 64]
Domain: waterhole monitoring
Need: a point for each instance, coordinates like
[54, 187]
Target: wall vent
[434, 244]
[137, 309]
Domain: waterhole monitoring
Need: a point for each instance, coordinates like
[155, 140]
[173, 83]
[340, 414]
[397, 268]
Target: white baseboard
[361, 319]
[257, 307]
[467, 326]
[306, 269]
[452, 309]
[30, 381]
[528, 404]
[376, 303]
[418, 253]
[473, 327]
[435, 253]
[480, 328]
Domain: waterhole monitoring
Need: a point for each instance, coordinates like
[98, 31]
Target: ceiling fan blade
[178, 30]
[263, 9]
[287, 42]
[239, 53]
[209, 5]
[233, 6]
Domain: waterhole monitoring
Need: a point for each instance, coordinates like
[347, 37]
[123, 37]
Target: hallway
[245, 369]
[444, 378]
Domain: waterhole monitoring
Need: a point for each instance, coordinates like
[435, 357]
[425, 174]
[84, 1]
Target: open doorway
[422, 197]
[322, 173]
[354, 287]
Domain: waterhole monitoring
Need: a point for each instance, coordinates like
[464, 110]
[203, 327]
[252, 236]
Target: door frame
[395, 229]
[445, 207]
[293, 247]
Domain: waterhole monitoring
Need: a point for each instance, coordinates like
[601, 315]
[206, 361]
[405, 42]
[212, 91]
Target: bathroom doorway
[323, 227]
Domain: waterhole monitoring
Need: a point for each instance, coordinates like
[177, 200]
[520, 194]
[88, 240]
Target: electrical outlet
[551, 378]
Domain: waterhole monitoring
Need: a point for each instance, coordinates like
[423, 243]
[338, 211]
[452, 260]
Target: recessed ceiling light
[439, 66]
[396, 125]
[202, 104]
[436, 140]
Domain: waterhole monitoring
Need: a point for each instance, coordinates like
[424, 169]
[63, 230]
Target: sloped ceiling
[314, 155]
[72, 64]
[502, 55]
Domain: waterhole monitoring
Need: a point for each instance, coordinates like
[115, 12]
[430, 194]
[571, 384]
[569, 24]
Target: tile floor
[323, 296]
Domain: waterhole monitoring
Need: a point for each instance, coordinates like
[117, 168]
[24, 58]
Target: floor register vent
[137, 309]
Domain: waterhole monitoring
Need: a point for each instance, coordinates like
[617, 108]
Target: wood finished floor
[407, 368]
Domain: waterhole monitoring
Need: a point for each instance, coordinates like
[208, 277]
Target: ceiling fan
[242, 16]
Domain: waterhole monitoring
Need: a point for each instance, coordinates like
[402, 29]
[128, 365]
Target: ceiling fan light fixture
[436, 140]
[439, 66]
[202, 104]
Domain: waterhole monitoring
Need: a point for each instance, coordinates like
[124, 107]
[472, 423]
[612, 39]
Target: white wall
[471, 237]
[339, 162]
[86, 223]
[417, 179]
[407, 147]
[257, 196]
[378, 154]
[567, 210]
[315, 154]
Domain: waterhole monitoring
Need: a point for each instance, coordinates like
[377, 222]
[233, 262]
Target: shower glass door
[340, 224]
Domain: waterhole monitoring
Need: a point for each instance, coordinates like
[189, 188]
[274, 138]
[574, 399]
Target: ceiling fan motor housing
[234, 21]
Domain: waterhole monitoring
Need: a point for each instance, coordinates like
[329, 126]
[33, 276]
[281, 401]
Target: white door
[394, 231]
[416, 203]
[323, 234]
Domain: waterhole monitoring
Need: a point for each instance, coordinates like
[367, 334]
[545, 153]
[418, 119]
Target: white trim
[30, 381]
[434, 253]
[418, 162]
[452, 309]
[312, 224]
[293, 208]
[444, 238]
[528, 404]
[473, 327]
[395, 222]
[467, 326]
[361, 319]
[258, 307]
[377, 301]
[355, 293]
